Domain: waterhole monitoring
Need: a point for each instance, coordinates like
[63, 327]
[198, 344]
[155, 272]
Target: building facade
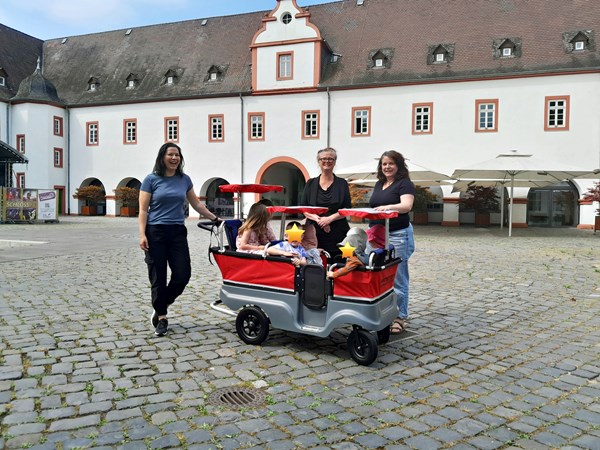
[250, 98]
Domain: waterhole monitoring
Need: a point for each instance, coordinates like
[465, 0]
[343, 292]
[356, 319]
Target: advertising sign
[28, 205]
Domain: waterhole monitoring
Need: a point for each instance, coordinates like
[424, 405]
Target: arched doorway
[92, 206]
[553, 206]
[289, 174]
[220, 203]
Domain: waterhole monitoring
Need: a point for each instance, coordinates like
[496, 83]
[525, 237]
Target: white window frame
[58, 157]
[285, 66]
[507, 51]
[361, 121]
[440, 57]
[422, 118]
[2, 81]
[310, 124]
[172, 129]
[579, 45]
[256, 126]
[216, 128]
[557, 113]
[21, 143]
[486, 115]
[92, 134]
[130, 131]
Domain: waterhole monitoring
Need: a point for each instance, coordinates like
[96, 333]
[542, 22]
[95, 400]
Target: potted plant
[129, 198]
[482, 200]
[423, 198]
[91, 195]
[593, 195]
[358, 196]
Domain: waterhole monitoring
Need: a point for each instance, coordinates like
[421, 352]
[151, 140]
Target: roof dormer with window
[507, 48]
[171, 77]
[579, 41]
[380, 58]
[215, 74]
[286, 51]
[440, 54]
[93, 84]
[3, 76]
[132, 81]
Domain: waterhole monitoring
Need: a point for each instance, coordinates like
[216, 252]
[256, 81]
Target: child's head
[258, 218]
[357, 238]
[289, 226]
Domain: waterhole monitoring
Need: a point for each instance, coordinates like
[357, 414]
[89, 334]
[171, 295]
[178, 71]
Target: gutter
[67, 132]
[328, 118]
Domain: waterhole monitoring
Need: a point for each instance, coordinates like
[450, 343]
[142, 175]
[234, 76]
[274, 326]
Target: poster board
[28, 205]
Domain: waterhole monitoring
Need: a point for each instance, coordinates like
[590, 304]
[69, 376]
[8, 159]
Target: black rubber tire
[252, 325]
[362, 346]
[383, 336]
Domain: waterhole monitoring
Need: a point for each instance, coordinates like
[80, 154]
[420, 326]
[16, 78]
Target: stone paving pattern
[503, 351]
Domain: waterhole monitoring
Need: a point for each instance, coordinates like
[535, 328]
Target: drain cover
[238, 397]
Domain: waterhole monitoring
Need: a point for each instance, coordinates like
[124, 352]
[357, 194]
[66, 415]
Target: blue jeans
[404, 244]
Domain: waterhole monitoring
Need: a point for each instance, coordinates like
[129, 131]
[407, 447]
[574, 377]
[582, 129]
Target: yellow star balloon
[294, 234]
[347, 250]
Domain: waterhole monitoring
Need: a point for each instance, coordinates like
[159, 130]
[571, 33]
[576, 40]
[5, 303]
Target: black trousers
[168, 246]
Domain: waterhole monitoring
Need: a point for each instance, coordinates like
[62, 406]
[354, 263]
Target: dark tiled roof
[406, 29]
[37, 88]
[18, 56]
[187, 48]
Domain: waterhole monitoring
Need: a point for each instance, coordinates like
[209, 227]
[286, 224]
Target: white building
[252, 97]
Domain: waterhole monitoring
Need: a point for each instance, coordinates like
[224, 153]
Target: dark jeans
[167, 246]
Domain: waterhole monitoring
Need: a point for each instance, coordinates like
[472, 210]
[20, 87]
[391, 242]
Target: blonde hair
[327, 150]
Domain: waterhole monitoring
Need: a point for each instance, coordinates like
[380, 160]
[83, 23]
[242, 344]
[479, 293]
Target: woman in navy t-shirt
[395, 192]
[163, 235]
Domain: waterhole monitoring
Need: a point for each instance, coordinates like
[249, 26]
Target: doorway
[553, 206]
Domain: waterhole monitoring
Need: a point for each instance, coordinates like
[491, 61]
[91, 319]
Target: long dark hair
[400, 162]
[159, 165]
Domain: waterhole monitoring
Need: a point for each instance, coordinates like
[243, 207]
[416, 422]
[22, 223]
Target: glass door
[552, 208]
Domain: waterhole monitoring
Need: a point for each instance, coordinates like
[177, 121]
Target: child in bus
[255, 233]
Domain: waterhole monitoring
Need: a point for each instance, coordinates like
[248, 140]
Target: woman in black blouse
[395, 192]
[332, 192]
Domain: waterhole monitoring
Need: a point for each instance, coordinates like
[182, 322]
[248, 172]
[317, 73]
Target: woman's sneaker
[162, 327]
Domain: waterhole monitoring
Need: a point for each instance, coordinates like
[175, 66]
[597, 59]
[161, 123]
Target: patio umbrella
[368, 172]
[514, 166]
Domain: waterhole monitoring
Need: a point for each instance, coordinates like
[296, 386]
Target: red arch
[272, 162]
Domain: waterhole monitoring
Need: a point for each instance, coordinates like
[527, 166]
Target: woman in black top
[332, 192]
[395, 192]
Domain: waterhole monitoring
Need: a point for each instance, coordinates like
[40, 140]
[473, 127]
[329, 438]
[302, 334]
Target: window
[130, 83]
[214, 76]
[58, 126]
[169, 80]
[579, 45]
[379, 62]
[422, 118]
[285, 66]
[2, 81]
[286, 18]
[310, 124]
[92, 86]
[92, 133]
[58, 157]
[486, 115]
[557, 113]
[20, 178]
[256, 126]
[216, 128]
[130, 131]
[21, 143]
[507, 51]
[361, 121]
[132, 80]
[172, 129]
[440, 57]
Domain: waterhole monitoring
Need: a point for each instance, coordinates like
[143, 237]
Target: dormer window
[286, 18]
[170, 77]
[579, 41]
[507, 48]
[380, 58]
[440, 53]
[215, 74]
[93, 84]
[2, 77]
[335, 58]
[132, 81]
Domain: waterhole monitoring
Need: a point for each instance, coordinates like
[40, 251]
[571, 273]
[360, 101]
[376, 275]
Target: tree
[92, 195]
[593, 195]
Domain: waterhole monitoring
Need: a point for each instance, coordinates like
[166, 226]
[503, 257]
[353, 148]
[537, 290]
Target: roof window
[506, 48]
[215, 74]
[93, 84]
[579, 41]
[132, 81]
[440, 54]
[3, 76]
[380, 58]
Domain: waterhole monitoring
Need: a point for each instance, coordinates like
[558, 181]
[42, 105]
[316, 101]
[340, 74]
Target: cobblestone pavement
[503, 351]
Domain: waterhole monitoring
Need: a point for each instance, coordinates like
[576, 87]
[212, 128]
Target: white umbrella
[368, 171]
[511, 167]
[370, 182]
